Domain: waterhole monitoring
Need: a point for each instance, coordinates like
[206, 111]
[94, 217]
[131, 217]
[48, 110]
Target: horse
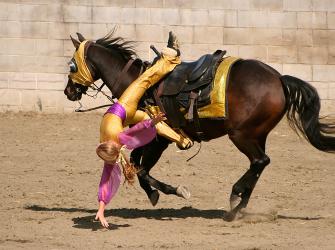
[258, 97]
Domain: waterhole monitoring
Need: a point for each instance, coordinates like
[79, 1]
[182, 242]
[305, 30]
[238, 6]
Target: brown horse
[258, 98]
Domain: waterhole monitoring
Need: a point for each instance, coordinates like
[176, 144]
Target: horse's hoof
[234, 201]
[229, 216]
[154, 197]
[183, 192]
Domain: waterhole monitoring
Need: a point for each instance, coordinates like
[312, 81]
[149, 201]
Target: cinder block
[15, 46]
[150, 3]
[22, 80]
[237, 36]
[4, 76]
[312, 20]
[322, 89]
[149, 33]
[257, 19]
[208, 35]
[282, 19]
[266, 36]
[323, 5]
[266, 4]
[331, 91]
[232, 50]
[55, 12]
[34, 29]
[98, 30]
[13, 12]
[126, 31]
[282, 54]
[230, 18]
[3, 11]
[10, 29]
[331, 20]
[77, 13]
[289, 37]
[194, 17]
[298, 5]
[304, 37]
[106, 14]
[183, 4]
[135, 16]
[320, 38]
[62, 30]
[33, 12]
[331, 54]
[16, 63]
[216, 17]
[323, 73]
[30, 100]
[10, 97]
[301, 71]
[50, 81]
[165, 16]
[193, 52]
[327, 107]
[48, 47]
[253, 52]
[116, 3]
[313, 55]
[277, 66]
[50, 64]
[185, 34]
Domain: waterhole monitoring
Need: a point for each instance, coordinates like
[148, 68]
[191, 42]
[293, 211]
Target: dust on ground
[49, 176]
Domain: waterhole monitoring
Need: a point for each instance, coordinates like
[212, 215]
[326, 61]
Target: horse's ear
[75, 42]
[81, 37]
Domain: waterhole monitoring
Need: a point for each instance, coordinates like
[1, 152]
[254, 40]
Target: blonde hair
[111, 153]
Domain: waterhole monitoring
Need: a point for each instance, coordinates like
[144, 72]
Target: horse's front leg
[151, 153]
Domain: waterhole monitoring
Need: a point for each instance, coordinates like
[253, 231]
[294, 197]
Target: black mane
[125, 48]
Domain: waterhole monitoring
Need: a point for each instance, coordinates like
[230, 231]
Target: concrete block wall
[295, 37]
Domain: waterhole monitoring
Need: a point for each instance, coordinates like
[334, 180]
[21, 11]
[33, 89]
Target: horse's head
[106, 58]
[82, 73]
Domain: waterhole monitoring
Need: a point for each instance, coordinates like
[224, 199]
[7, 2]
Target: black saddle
[188, 85]
[191, 75]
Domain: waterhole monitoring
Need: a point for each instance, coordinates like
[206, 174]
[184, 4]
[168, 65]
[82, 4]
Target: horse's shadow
[88, 222]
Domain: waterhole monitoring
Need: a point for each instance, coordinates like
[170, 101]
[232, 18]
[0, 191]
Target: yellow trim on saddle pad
[217, 108]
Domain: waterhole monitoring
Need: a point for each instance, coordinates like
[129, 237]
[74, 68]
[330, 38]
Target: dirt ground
[49, 175]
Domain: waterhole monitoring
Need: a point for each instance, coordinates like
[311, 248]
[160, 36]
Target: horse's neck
[110, 68]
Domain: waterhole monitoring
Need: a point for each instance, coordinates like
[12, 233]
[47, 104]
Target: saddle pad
[217, 107]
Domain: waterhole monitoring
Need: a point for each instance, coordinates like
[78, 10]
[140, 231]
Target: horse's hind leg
[254, 149]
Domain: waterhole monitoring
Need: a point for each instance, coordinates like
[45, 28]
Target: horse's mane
[125, 48]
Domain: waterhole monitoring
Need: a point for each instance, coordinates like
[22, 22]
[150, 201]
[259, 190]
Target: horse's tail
[302, 111]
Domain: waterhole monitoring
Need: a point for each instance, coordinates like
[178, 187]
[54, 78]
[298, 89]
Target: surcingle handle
[155, 50]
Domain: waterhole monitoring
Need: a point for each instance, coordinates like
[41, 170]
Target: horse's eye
[73, 66]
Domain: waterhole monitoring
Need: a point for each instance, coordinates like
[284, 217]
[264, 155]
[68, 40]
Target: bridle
[98, 90]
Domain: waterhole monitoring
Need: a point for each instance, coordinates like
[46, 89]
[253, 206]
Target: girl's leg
[163, 129]
[130, 98]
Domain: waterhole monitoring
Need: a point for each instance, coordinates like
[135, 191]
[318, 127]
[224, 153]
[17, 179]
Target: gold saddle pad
[217, 107]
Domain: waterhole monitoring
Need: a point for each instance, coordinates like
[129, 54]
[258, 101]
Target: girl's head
[109, 151]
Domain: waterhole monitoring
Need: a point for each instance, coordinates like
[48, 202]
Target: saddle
[186, 88]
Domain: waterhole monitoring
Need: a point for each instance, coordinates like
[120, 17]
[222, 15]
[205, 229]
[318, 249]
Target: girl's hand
[100, 215]
[158, 118]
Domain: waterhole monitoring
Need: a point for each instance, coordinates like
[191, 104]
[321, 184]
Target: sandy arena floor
[49, 175]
